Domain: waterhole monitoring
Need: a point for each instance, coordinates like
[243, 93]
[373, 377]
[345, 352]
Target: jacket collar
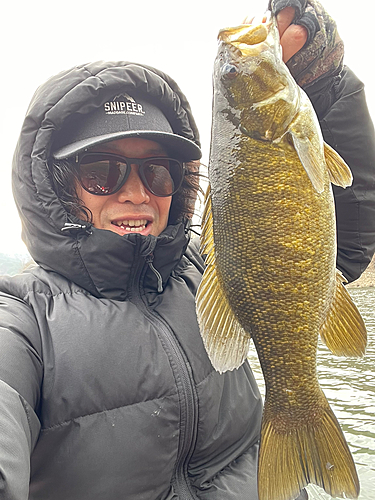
[115, 272]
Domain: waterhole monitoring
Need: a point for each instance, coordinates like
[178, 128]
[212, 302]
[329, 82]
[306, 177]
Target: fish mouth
[251, 39]
[246, 34]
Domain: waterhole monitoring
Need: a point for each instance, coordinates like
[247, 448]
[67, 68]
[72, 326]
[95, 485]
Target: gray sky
[41, 38]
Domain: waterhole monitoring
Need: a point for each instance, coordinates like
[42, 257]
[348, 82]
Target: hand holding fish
[292, 36]
[312, 47]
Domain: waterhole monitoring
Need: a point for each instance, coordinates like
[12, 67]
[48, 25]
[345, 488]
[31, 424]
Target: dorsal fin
[226, 342]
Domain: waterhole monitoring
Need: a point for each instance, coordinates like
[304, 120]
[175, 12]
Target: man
[106, 389]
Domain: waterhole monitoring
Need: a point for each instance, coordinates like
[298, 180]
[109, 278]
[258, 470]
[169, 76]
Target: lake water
[349, 385]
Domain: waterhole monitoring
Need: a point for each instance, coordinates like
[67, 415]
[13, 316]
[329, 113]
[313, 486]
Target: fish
[269, 242]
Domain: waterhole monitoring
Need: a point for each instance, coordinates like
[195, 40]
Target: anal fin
[344, 331]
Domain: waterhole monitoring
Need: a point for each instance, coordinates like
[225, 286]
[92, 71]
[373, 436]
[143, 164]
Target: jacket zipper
[186, 388]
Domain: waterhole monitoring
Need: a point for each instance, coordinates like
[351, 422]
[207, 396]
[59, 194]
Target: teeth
[132, 225]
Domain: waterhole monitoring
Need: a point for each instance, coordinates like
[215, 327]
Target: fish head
[257, 91]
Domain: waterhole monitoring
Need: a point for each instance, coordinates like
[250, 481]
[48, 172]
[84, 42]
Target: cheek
[93, 203]
[164, 204]
[82, 195]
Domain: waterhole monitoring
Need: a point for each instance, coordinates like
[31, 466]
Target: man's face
[133, 209]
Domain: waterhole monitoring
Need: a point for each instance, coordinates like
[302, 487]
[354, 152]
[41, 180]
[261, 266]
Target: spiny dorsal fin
[207, 236]
[226, 342]
[344, 331]
[339, 172]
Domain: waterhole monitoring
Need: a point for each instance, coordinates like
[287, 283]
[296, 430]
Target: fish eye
[229, 71]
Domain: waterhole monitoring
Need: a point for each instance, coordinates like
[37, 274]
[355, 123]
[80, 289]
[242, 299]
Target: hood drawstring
[69, 226]
[149, 260]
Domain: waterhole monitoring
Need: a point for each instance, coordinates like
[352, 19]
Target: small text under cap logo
[123, 104]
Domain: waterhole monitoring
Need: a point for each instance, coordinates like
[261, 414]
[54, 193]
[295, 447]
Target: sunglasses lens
[100, 174]
[104, 173]
[162, 176]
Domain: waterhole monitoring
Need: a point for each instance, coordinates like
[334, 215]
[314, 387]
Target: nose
[133, 190]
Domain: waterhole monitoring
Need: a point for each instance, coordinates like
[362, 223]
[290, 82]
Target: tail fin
[315, 452]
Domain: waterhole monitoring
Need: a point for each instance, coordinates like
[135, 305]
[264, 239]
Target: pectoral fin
[226, 342]
[313, 162]
[308, 143]
[339, 172]
[344, 331]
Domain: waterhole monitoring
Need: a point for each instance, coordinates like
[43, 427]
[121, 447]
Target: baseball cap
[119, 117]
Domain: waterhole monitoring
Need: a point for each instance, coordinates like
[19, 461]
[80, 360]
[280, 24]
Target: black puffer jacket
[340, 104]
[104, 379]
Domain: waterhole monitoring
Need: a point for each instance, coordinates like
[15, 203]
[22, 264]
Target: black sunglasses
[105, 173]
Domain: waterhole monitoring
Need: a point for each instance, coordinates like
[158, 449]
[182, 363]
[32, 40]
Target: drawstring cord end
[149, 260]
[69, 226]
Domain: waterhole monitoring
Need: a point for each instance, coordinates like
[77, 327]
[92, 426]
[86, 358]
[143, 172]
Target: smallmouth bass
[269, 236]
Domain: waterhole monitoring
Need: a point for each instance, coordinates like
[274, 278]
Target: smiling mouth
[133, 226]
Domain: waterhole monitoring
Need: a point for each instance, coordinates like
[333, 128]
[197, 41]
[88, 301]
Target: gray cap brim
[182, 148]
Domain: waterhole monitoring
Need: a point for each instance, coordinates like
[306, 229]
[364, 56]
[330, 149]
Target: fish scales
[282, 286]
[269, 236]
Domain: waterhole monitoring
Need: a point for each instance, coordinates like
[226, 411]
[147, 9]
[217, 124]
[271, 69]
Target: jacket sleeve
[341, 107]
[20, 381]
